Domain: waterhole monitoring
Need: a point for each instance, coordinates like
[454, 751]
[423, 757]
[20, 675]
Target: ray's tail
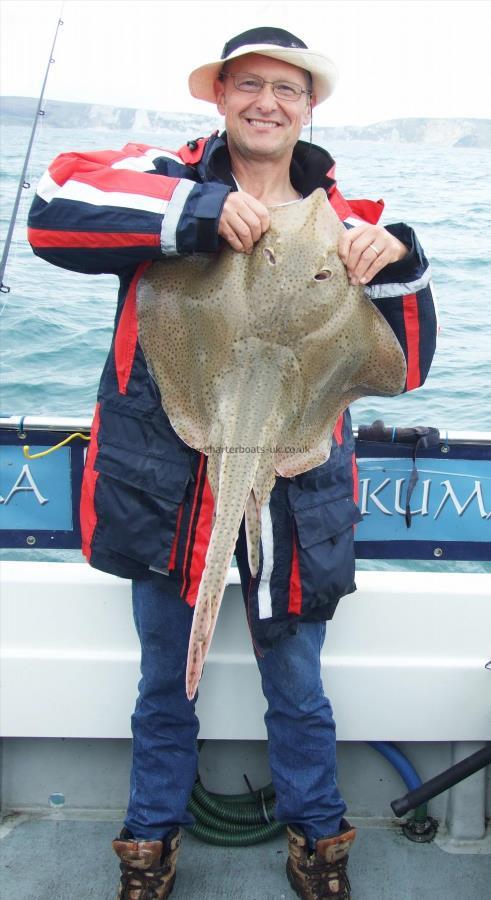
[246, 458]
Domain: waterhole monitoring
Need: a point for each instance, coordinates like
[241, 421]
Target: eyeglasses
[253, 84]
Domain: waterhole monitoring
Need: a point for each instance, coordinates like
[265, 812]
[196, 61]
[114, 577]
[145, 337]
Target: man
[146, 505]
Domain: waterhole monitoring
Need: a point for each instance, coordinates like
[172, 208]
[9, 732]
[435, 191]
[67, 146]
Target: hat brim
[324, 73]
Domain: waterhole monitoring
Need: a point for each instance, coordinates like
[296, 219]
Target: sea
[56, 325]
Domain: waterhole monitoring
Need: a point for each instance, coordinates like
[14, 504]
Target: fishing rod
[23, 183]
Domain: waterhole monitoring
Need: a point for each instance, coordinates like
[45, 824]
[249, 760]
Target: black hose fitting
[443, 781]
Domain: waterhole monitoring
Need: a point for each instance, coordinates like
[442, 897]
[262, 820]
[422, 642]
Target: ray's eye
[269, 256]
[323, 275]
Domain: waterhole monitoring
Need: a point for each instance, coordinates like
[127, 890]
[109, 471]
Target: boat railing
[423, 493]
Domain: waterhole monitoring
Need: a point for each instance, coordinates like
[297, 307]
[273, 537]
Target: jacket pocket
[137, 503]
[326, 555]
[326, 521]
[125, 424]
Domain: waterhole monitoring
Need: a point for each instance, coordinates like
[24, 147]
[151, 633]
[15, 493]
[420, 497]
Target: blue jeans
[300, 725]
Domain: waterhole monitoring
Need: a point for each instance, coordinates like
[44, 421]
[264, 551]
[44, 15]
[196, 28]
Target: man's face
[260, 126]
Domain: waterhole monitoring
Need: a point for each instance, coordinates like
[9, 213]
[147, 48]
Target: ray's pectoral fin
[384, 371]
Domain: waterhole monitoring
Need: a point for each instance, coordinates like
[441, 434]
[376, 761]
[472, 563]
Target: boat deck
[50, 859]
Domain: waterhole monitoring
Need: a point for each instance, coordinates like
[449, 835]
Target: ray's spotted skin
[256, 357]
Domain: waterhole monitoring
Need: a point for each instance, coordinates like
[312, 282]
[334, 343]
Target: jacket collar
[311, 166]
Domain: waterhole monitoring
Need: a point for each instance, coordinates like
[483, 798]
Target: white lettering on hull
[30, 486]
[460, 508]
[394, 499]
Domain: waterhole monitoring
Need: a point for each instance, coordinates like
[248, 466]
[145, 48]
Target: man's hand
[366, 249]
[243, 221]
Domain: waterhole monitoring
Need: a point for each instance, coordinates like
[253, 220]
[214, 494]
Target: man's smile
[262, 123]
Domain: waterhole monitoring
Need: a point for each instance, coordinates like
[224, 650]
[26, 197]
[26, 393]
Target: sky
[395, 59]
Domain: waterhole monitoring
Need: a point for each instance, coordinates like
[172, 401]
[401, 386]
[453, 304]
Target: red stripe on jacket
[97, 173]
[295, 592]
[196, 548]
[190, 156]
[356, 483]
[127, 332]
[110, 157]
[368, 210]
[126, 181]
[338, 430]
[61, 167]
[340, 206]
[173, 549]
[411, 324]
[88, 515]
[364, 210]
[201, 542]
[41, 237]
[191, 520]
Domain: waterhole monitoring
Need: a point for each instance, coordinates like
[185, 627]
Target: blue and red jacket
[146, 502]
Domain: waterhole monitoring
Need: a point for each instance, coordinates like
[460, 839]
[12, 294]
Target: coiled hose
[237, 820]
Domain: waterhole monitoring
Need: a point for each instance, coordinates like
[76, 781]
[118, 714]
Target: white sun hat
[273, 42]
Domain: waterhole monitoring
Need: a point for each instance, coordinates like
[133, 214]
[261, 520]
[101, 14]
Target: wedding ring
[374, 248]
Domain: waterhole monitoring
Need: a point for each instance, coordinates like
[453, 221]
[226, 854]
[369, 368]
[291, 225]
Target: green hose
[233, 820]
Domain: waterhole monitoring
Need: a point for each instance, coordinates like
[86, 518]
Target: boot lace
[148, 883]
[320, 873]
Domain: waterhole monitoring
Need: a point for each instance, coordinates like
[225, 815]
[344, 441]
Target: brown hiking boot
[320, 873]
[148, 868]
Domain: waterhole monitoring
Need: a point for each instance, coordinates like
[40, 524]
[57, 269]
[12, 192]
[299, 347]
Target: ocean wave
[57, 324]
